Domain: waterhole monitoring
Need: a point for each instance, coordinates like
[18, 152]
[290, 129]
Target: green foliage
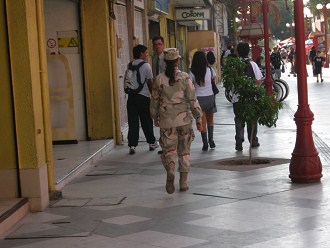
[254, 104]
[312, 5]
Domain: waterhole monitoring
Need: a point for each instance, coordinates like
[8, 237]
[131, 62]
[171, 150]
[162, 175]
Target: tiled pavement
[121, 202]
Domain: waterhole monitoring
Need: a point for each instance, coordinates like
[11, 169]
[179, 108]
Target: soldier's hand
[199, 126]
[156, 122]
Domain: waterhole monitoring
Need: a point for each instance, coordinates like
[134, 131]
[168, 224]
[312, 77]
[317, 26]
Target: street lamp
[308, 16]
[305, 165]
[324, 9]
[290, 25]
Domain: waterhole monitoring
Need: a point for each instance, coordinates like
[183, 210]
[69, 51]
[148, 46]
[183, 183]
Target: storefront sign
[192, 14]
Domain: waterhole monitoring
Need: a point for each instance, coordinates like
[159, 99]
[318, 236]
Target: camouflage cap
[171, 54]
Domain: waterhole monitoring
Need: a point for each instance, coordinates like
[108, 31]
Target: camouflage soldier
[173, 106]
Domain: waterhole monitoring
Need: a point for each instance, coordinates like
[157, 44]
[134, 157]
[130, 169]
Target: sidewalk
[121, 202]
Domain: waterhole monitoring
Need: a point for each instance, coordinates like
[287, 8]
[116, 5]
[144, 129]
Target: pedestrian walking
[201, 75]
[318, 63]
[292, 60]
[173, 107]
[276, 61]
[312, 55]
[138, 105]
[252, 70]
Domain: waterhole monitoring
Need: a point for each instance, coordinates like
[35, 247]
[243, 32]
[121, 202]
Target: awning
[287, 41]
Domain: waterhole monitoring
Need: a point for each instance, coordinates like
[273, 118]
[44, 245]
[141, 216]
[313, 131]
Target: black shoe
[239, 147]
[160, 152]
[212, 144]
[255, 145]
[205, 147]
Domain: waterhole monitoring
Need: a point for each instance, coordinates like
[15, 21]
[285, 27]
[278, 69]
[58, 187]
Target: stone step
[11, 212]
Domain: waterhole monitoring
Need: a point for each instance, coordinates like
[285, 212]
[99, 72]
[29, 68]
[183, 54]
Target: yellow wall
[26, 82]
[25, 65]
[195, 41]
[7, 126]
[97, 68]
[209, 40]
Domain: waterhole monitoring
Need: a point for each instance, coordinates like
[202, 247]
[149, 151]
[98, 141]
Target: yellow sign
[66, 42]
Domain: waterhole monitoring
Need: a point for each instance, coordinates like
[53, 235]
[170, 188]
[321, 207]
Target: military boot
[183, 181]
[170, 169]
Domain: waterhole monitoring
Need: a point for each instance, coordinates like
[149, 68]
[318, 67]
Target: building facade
[62, 65]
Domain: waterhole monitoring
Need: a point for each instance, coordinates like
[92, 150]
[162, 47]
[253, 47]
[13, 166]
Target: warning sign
[66, 42]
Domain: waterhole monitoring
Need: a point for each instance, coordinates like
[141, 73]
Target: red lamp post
[305, 165]
[268, 80]
[291, 26]
[324, 9]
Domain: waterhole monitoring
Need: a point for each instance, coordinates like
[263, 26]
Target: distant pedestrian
[312, 55]
[260, 62]
[173, 107]
[284, 54]
[291, 58]
[318, 63]
[202, 74]
[225, 54]
[138, 105]
[276, 60]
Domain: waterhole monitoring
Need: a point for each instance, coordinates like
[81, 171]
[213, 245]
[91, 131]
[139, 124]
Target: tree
[254, 105]
[312, 5]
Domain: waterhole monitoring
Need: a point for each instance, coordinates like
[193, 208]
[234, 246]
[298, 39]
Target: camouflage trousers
[175, 143]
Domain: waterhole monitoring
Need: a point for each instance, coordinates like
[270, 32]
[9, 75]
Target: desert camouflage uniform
[175, 107]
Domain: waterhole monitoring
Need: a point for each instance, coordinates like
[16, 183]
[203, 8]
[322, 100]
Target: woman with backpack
[202, 74]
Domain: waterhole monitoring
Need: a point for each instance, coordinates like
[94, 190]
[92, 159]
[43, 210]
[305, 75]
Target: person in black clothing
[291, 59]
[312, 55]
[138, 105]
[276, 60]
[318, 62]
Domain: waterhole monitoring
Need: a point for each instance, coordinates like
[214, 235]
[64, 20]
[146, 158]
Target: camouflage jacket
[175, 105]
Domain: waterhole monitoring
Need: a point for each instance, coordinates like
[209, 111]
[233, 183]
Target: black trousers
[138, 110]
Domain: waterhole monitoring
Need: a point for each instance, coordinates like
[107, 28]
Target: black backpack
[248, 71]
[131, 71]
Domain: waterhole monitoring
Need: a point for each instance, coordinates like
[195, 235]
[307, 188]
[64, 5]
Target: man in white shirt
[158, 63]
[243, 50]
[138, 105]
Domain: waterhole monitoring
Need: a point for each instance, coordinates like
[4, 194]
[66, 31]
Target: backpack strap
[211, 70]
[249, 69]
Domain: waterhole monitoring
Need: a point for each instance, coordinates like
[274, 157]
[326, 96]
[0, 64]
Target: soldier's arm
[194, 104]
[154, 101]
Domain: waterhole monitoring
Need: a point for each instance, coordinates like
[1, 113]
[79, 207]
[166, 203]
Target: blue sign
[161, 5]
